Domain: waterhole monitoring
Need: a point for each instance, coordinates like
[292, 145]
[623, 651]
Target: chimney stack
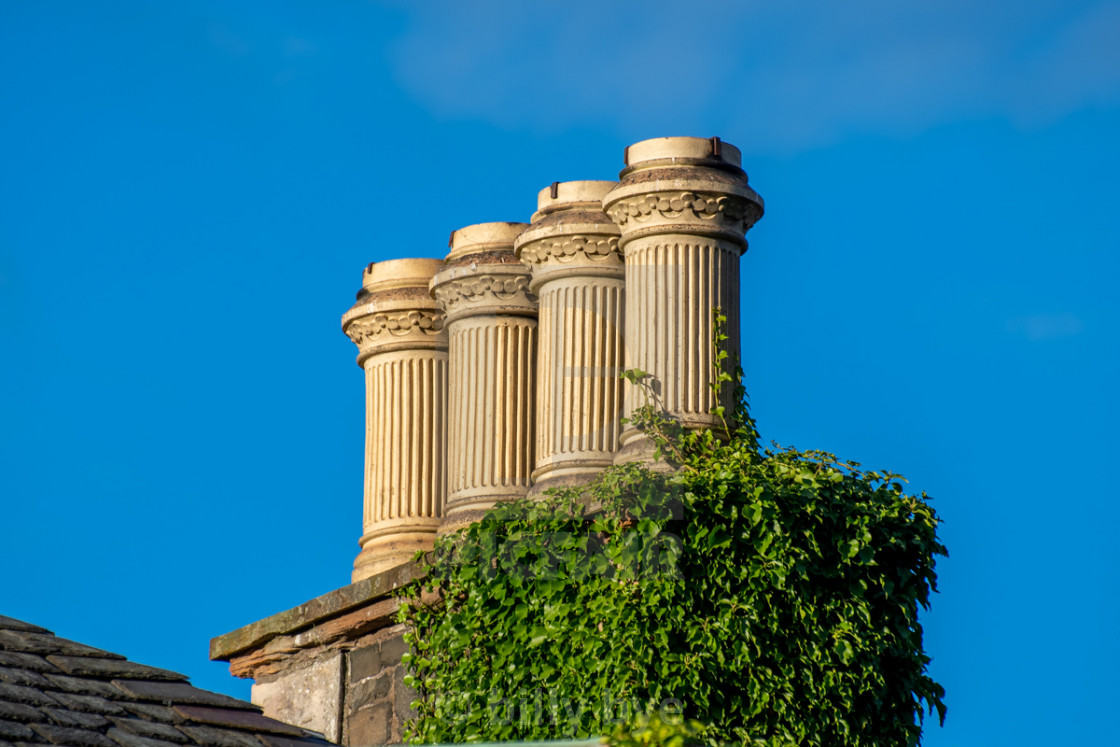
[683, 207]
[462, 412]
[572, 248]
[492, 327]
[402, 342]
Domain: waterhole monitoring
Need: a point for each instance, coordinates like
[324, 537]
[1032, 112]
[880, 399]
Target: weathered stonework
[377, 703]
[400, 334]
[492, 324]
[333, 664]
[683, 206]
[309, 696]
[572, 248]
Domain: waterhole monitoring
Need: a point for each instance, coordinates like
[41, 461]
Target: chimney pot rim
[406, 272]
[663, 148]
[567, 193]
[482, 237]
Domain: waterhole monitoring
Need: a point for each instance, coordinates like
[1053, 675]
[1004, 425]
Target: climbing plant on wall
[765, 595]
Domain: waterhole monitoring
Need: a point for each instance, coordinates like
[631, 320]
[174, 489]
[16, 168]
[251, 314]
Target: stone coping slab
[331, 604]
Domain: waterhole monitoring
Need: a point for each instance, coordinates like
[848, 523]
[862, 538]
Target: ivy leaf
[844, 648]
[718, 538]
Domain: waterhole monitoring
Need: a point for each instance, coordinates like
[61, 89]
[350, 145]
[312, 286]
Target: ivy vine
[764, 596]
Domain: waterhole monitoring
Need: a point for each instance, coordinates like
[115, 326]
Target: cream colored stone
[401, 336]
[578, 275]
[683, 206]
[682, 150]
[310, 697]
[492, 323]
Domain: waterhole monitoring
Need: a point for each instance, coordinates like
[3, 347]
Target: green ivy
[770, 594]
[653, 731]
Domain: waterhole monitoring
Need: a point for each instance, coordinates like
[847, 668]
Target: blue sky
[190, 191]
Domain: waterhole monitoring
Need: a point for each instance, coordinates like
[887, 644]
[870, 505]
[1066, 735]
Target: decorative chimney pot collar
[394, 310]
[482, 275]
[570, 235]
[683, 185]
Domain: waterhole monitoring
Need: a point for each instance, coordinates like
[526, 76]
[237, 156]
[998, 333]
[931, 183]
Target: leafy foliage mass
[770, 594]
[652, 731]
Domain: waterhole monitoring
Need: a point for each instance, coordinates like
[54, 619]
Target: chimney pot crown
[399, 273]
[564, 193]
[483, 237]
[692, 148]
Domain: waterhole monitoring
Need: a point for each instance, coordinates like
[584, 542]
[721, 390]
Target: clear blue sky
[189, 190]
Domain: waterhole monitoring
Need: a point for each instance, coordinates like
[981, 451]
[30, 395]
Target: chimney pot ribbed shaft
[572, 248]
[683, 206]
[399, 331]
[492, 328]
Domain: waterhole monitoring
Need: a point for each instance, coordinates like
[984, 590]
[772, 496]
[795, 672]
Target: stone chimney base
[333, 664]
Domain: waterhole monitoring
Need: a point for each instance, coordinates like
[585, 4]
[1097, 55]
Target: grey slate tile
[88, 704]
[210, 737]
[24, 677]
[12, 730]
[151, 729]
[178, 692]
[10, 623]
[76, 719]
[124, 739]
[90, 667]
[78, 737]
[17, 660]
[58, 693]
[235, 719]
[84, 686]
[27, 695]
[19, 712]
[40, 643]
[152, 711]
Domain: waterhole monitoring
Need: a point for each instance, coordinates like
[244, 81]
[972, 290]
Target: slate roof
[58, 692]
